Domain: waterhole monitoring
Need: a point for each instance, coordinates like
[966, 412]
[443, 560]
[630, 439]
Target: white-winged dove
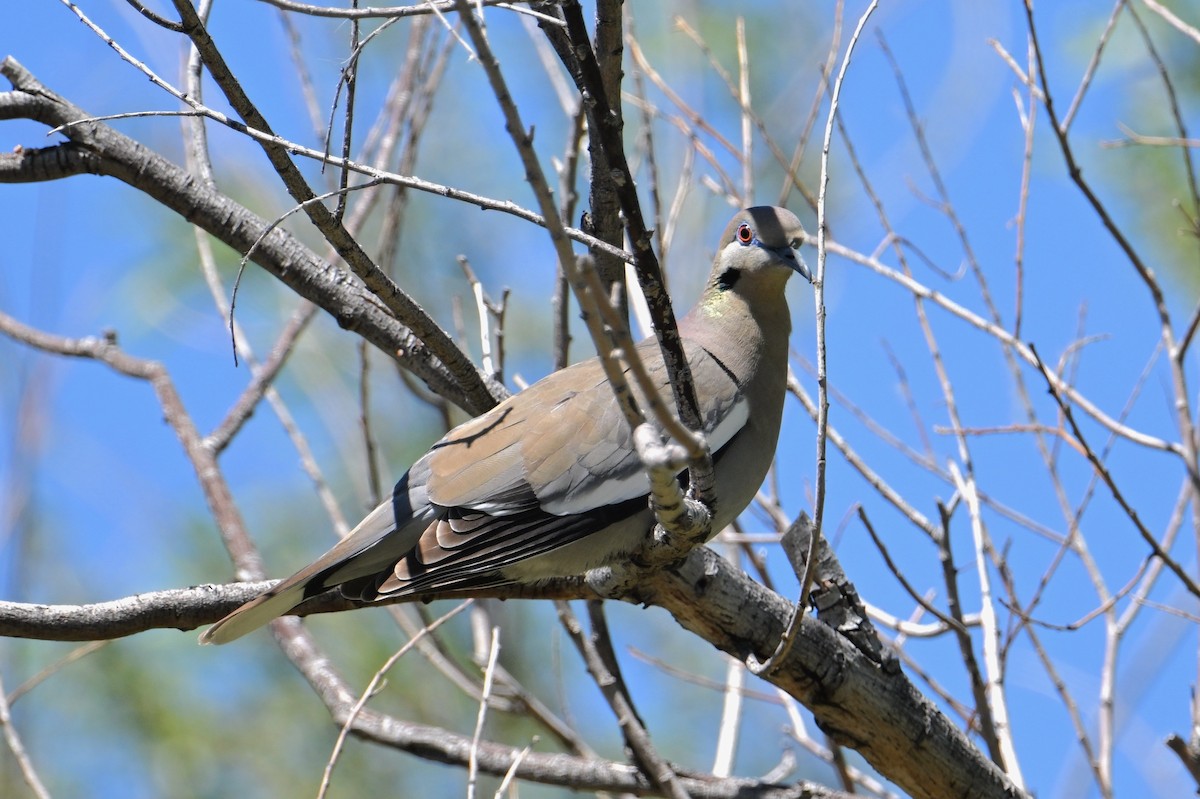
[548, 483]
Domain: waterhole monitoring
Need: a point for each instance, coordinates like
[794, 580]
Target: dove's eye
[744, 234]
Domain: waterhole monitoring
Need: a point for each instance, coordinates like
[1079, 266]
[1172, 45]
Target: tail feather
[372, 546]
[255, 613]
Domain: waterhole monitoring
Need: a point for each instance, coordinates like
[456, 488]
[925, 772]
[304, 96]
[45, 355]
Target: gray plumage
[547, 483]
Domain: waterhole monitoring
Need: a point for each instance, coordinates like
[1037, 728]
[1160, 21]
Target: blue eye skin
[744, 234]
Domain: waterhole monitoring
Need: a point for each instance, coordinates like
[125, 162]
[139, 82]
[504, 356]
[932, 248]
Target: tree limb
[873, 709]
[97, 149]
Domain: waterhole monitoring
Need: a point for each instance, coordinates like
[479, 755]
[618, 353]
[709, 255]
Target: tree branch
[871, 708]
[98, 149]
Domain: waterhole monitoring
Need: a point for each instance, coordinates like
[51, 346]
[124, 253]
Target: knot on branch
[833, 595]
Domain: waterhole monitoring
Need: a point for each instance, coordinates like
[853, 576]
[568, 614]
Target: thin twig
[78, 653]
[601, 664]
[1004, 337]
[1174, 21]
[747, 155]
[810, 567]
[1106, 476]
[488, 680]
[852, 457]
[997, 701]
[1093, 64]
[17, 749]
[375, 686]
[729, 728]
[208, 472]
[898, 573]
[427, 8]
[751, 119]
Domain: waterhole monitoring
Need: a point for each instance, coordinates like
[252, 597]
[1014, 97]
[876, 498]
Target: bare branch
[923, 752]
[789, 638]
[997, 701]
[1105, 475]
[98, 149]
[17, 750]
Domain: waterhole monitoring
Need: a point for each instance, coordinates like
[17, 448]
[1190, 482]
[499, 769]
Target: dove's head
[758, 251]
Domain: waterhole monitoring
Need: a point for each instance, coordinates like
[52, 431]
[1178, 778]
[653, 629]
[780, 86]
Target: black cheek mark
[727, 279]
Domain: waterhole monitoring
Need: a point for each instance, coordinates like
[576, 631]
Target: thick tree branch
[871, 708]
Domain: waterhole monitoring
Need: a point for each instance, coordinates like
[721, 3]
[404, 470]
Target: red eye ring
[744, 234]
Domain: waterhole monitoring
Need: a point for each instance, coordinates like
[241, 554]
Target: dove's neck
[747, 332]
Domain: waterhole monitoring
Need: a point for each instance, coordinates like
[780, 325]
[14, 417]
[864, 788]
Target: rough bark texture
[871, 708]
